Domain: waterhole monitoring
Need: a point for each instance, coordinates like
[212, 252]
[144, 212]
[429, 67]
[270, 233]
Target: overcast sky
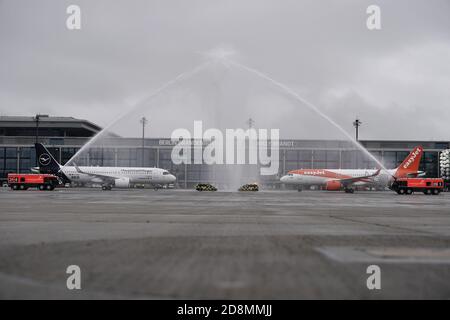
[397, 79]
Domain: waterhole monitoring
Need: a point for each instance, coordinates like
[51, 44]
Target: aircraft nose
[172, 178]
[283, 179]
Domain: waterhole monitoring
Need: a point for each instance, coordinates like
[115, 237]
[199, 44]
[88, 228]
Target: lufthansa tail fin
[47, 164]
[410, 166]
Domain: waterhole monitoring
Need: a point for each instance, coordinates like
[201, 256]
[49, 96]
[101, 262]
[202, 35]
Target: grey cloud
[322, 49]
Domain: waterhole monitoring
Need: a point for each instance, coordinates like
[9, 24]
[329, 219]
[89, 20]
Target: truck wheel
[435, 192]
[15, 187]
[409, 191]
[42, 187]
[22, 187]
[401, 191]
[48, 187]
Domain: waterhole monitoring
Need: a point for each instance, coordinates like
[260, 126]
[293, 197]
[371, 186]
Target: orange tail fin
[411, 163]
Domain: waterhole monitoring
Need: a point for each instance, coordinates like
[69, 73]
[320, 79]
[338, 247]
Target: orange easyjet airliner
[346, 179]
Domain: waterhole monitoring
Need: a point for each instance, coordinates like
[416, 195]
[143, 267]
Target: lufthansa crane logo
[44, 159]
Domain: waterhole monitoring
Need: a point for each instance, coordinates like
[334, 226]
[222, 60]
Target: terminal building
[64, 136]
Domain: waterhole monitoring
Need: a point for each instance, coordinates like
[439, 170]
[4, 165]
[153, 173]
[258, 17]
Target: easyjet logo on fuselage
[412, 158]
[320, 173]
[314, 173]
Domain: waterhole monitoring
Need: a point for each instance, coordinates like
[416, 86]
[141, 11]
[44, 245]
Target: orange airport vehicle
[17, 181]
[428, 186]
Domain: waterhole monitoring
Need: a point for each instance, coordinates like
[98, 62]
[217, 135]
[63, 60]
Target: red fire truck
[428, 186]
[25, 181]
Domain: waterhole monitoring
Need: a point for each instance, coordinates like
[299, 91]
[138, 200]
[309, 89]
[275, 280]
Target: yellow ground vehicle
[249, 187]
[205, 187]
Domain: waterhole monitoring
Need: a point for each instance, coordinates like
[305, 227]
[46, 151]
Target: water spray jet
[297, 97]
[167, 85]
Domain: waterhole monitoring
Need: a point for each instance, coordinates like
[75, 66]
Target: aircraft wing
[349, 181]
[96, 175]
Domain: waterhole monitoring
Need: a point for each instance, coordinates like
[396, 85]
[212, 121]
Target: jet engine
[333, 185]
[122, 183]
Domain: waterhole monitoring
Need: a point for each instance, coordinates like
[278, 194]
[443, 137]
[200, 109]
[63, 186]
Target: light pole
[250, 123]
[357, 123]
[143, 122]
[36, 118]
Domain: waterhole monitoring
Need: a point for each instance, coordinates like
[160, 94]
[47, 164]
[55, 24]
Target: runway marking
[387, 255]
[52, 291]
[383, 225]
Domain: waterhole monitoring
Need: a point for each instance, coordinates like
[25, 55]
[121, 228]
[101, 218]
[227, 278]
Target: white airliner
[347, 179]
[108, 177]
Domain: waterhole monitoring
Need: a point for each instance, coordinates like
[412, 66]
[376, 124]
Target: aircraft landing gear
[349, 190]
[106, 187]
[299, 189]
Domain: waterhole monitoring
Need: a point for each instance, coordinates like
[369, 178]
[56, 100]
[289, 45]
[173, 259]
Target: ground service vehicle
[205, 187]
[25, 181]
[428, 186]
[249, 187]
